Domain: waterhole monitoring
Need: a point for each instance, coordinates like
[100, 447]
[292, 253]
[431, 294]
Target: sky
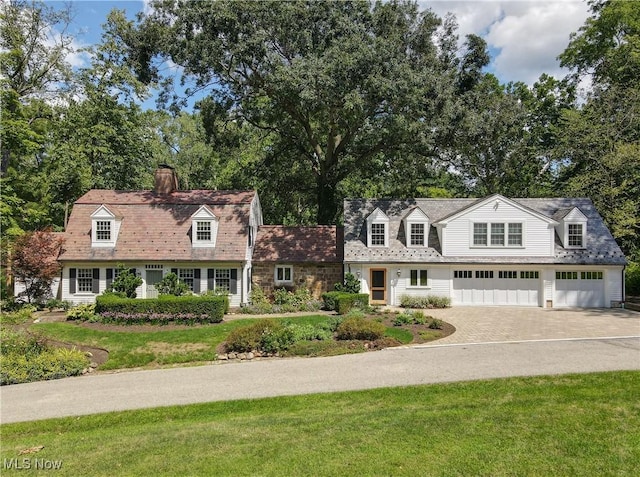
[524, 36]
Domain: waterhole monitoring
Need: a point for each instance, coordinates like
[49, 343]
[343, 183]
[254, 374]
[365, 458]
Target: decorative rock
[223, 357]
[250, 355]
[93, 365]
[233, 355]
[242, 356]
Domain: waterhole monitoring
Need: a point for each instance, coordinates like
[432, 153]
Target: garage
[579, 289]
[496, 287]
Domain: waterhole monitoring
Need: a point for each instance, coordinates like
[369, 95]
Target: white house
[492, 251]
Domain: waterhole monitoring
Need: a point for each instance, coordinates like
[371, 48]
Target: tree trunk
[327, 206]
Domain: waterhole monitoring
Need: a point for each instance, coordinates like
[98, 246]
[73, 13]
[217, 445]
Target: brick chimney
[166, 180]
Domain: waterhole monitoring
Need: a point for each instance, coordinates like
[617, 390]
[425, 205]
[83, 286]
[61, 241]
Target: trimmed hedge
[342, 302]
[192, 308]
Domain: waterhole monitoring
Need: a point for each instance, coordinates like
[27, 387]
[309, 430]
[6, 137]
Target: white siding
[613, 280]
[439, 283]
[537, 234]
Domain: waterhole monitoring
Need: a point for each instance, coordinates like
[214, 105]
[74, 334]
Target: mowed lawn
[573, 425]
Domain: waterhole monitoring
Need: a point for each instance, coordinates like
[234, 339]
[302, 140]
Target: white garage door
[579, 289]
[496, 287]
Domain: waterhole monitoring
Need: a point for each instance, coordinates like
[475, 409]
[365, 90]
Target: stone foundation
[318, 278]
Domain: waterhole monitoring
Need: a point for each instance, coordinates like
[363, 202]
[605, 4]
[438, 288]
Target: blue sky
[524, 36]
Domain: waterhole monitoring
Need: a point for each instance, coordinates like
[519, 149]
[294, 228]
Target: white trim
[284, 280]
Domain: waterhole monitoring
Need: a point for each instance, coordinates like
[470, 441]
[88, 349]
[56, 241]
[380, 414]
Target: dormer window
[104, 228]
[204, 228]
[417, 228]
[377, 229]
[575, 235]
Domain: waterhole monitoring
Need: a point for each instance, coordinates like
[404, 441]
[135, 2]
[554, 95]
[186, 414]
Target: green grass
[578, 425]
[162, 346]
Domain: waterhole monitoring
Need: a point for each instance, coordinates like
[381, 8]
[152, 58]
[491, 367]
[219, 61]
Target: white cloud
[525, 37]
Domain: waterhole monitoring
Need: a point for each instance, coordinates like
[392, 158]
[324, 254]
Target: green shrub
[430, 301]
[347, 301]
[166, 308]
[47, 364]
[351, 284]
[418, 318]
[356, 328]
[19, 316]
[403, 319]
[172, 285]
[436, 324]
[632, 279]
[55, 304]
[330, 299]
[126, 282]
[20, 342]
[83, 312]
[249, 338]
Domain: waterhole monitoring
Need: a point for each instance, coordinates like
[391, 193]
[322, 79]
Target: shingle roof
[602, 248]
[277, 243]
[158, 227]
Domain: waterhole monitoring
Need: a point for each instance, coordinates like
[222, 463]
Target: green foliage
[126, 282]
[351, 284]
[632, 279]
[436, 324]
[210, 309]
[357, 328]
[428, 302]
[172, 285]
[329, 300]
[82, 312]
[54, 304]
[284, 301]
[249, 338]
[346, 301]
[18, 316]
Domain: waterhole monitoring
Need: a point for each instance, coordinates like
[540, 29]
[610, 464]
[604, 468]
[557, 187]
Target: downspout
[624, 291]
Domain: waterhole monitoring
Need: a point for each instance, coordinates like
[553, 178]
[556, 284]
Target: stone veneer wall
[318, 278]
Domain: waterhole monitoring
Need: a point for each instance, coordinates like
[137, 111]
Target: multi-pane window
[284, 274]
[566, 275]
[85, 280]
[507, 274]
[462, 274]
[222, 279]
[186, 275]
[497, 234]
[591, 275]
[515, 235]
[574, 236]
[480, 234]
[378, 234]
[103, 230]
[484, 273]
[529, 274]
[203, 231]
[417, 234]
[419, 278]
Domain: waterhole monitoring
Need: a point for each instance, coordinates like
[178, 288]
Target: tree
[339, 84]
[35, 263]
[126, 282]
[172, 285]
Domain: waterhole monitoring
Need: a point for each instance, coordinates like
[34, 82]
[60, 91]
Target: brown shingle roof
[277, 243]
[155, 227]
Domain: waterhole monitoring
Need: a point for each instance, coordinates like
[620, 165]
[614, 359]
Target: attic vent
[166, 180]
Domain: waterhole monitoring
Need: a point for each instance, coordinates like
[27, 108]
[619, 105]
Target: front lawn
[578, 425]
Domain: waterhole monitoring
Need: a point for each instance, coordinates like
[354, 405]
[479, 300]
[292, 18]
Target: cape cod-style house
[206, 237]
[491, 251]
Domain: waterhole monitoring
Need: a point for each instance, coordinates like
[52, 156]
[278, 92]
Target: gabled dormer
[416, 225]
[572, 228]
[104, 227]
[204, 228]
[377, 229]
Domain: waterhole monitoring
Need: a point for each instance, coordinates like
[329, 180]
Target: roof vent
[166, 180]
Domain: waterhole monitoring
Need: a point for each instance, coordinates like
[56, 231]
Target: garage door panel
[496, 291]
[579, 292]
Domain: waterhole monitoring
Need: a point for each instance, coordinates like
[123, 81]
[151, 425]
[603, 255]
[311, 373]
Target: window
[484, 273]
[284, 274]
[515, 235]
[203, 231]
[378, 234]
[529, 274]
[419, 278]
[186, 275]
[417, 235]
[479, 234]
[85, 280]
[462, 274]
[574, 235]
[566, 275]
[507, 274]
[497, 234]
[103, 230]
[591, 275]
[222, 279]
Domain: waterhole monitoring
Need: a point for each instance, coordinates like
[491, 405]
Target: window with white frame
[186, 275]
[203, 231]
[378, 234]
[462, 274]
[284, 274]
[419, 278]
[417, 235]
[103, 230]
[84, 279]
[575, 235]
[204, 227]
[222, 279]
[497, 234]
